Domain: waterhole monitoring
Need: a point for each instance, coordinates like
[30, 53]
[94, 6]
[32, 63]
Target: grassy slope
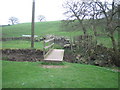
[42, 28]
[21, 44]
[32, 75]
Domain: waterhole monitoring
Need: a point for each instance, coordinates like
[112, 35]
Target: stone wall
[31, 55]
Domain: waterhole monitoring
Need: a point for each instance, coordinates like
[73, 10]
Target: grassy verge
[24, 44]
[32, 75]
[15, 44]
[27, 44]
[106, 41]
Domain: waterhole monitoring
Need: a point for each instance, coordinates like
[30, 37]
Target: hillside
[44, 28]
[41, 29]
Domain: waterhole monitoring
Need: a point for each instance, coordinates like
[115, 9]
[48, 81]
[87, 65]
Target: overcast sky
[22, 9]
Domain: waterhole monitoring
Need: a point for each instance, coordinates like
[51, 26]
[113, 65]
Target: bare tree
[94, 17]
[110, 11]
[95, 10]
[41, 18]
[13, 20]
[76, 10]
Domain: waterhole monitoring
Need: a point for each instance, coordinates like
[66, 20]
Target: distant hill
[41, 29]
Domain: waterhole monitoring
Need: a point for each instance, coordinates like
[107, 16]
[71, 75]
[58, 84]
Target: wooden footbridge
[51, 54]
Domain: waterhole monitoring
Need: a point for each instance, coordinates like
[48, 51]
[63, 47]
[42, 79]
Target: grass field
[15, 44]
[41, 29]
[24, 44]
[32, 75]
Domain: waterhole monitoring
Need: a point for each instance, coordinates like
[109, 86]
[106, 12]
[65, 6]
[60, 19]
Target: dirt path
[53, 66]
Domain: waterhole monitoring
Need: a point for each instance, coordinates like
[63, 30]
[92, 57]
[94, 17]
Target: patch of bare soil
[53, 66]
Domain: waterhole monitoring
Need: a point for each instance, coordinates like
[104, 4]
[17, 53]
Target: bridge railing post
[49, 47]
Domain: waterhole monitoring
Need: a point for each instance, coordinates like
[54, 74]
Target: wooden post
[53, 44]
[32, 26]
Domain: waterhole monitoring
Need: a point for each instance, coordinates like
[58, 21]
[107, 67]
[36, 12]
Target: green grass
[107, 41]
[39, 45]
[22, 44]
[32, 75]
[41, 29]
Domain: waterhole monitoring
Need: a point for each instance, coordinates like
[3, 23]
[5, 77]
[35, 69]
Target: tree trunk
[84, 29]
[113, 43]
[81, 23]
[95, 34]
[12, 22]
[95, 31]
[115, 55]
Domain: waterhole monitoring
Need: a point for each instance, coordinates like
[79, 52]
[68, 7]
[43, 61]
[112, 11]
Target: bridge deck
[55, 55]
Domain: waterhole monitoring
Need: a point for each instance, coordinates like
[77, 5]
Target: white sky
[22, 9]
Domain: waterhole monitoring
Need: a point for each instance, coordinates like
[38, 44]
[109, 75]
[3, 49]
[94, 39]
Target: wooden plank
[55, 55]
[45, 55]
[48, 40]
[49, 46]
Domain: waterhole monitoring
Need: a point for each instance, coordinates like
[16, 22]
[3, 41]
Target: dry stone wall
[31, 55]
